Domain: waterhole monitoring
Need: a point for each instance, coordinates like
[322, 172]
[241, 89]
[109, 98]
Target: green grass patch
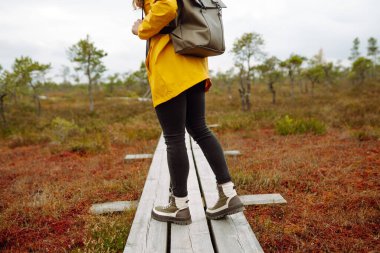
[244, 120]
[288, 125]
[26, 139]
[366, 133]
[95, 143]
[256, 181]
[107, 233]
[62, 129]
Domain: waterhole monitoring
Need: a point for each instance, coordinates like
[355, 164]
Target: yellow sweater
[169, 73]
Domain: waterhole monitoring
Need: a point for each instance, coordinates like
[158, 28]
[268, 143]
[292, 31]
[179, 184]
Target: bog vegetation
[308, 128]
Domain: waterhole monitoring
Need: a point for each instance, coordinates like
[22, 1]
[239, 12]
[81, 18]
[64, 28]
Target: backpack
[199, 28]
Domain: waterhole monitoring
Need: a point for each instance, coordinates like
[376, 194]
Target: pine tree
[372, 49]
[355, 50]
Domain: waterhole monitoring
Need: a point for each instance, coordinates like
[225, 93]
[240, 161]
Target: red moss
[331, 184]
[30, 229]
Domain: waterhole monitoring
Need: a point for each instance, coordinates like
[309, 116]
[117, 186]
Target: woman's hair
[137, 4]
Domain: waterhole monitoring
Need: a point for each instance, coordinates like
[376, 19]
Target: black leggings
[188, 110]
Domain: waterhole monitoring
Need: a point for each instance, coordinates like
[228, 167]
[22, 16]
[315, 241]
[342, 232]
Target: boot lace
[171, 202]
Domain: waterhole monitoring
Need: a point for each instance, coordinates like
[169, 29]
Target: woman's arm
[160, 14]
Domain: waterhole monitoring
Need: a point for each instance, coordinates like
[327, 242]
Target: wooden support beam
[232, 152]
[119, 98]
[143, 99]
[262, 199]
[137, 156]
[111, 207]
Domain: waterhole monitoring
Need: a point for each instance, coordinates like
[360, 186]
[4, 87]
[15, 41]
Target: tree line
[252, 64]
[255, 65]
[27, 77]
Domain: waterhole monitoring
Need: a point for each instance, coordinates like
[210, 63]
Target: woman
[178, 84]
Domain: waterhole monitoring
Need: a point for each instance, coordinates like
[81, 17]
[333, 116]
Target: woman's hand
[135, 26]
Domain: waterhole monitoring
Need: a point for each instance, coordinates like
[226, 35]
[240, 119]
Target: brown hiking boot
[177, 211]
[225, 205]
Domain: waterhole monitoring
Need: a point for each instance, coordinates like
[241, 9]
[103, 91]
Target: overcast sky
[44, 29]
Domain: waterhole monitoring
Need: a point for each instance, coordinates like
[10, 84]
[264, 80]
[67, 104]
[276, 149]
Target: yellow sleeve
[160, 14]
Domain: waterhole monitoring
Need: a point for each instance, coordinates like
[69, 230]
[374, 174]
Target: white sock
[228, 189]
[181, 202]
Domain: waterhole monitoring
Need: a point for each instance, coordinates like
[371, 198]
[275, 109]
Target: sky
[45, 29]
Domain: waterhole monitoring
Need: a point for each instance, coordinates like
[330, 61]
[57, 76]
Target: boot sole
[223, 213]
[171, 219]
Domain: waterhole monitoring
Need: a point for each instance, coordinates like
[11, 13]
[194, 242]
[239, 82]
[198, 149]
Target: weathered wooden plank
[111, 207]
[233, 233]
[137, 156]
[143, 99]
[120, 98]
[232, 152]
[196, 236]
[43, 97]
[157, 232]
[146, 234]
[262, 199]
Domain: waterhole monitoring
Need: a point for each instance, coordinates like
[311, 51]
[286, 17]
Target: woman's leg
[172, 117]
[228, 201]
[196, 126]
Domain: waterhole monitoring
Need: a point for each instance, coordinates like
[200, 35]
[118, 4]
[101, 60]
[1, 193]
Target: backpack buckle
[217, 6]
[201, 4]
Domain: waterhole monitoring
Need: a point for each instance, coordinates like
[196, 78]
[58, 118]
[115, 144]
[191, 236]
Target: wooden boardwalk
[231, 234]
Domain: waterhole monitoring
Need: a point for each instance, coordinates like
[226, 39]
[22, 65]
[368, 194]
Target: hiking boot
[177, 211]
[228, 202]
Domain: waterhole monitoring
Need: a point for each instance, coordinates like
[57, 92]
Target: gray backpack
[198, 28]
[199, 31]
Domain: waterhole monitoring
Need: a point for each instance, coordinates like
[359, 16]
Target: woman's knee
[174, 139]
[198, 132]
